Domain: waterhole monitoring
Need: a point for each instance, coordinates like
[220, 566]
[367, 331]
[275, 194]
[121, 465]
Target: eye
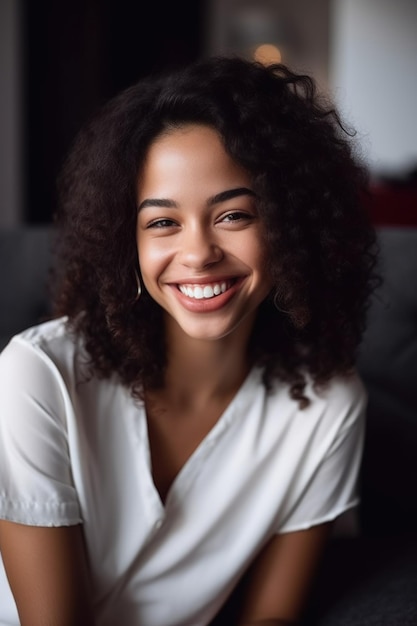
[237, 216]
[161, 223]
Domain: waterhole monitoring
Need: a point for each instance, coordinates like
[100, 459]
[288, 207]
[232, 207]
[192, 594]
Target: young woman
[191, 419]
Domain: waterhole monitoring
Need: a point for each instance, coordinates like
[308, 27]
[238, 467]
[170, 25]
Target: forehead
[188, 159]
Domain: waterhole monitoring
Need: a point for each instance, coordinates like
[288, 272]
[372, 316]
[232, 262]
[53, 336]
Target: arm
[279, 580]
[48, 574]
[44, 555]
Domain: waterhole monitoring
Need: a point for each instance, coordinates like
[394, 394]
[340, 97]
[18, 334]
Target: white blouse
[76, 451]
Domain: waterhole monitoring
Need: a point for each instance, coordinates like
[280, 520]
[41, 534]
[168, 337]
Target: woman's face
[200, 240]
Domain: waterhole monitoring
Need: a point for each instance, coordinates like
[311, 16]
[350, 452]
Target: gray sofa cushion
[24, 262]
[388, 364]
[366, 582]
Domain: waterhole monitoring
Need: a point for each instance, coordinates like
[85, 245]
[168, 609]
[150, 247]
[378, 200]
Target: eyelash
[233, 216]
[240, 216]
[161, 223]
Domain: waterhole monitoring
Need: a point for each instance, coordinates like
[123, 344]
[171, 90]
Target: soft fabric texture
[75, 450]
[25, 258]
[388, 365]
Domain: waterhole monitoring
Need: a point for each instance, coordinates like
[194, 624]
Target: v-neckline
[184, 476]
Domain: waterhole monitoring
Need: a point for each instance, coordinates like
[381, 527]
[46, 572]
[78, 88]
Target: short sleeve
[36, 486]
[330, 479]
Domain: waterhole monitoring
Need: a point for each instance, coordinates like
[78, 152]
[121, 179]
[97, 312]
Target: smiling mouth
[207, 291]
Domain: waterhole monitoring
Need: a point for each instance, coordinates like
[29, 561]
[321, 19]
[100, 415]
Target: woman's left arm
[280, 578]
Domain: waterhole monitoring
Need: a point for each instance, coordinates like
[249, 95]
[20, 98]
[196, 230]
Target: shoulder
[49, 364]
[344, 393]
[335, 408]
[40, 355]
[44, 333]
[337, 412]
[341, 394]
[52, 339]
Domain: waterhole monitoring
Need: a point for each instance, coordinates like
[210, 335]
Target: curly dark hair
[310, 184]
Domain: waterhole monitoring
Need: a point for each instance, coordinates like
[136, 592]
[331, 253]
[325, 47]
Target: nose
[199, 248]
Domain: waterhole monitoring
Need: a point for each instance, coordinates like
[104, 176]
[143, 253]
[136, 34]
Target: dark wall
[77, 54]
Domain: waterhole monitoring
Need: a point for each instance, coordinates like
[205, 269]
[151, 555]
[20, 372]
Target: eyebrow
[159, 202]
[223, 196]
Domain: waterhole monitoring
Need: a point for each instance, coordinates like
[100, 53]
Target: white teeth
[200, 292]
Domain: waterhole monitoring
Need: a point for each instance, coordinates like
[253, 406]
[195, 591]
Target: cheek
[152, 258]
[256, 253]
[262, 264]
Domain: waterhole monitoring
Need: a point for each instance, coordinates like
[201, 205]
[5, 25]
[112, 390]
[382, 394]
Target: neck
[200, 369]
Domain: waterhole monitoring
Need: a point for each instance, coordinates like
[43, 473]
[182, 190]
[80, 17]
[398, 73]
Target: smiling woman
[192, 412]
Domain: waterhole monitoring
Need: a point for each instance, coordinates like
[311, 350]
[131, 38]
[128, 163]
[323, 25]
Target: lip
[207, 305]
[206, 280]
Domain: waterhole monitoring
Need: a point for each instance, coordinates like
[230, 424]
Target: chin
[216, 332]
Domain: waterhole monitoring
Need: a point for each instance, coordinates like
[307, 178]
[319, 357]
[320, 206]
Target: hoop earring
[276, 305]
[138, 287]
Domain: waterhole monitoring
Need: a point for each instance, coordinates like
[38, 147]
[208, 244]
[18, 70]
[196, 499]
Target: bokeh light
[267, 54]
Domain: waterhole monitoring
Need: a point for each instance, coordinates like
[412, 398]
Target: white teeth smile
[200, 292]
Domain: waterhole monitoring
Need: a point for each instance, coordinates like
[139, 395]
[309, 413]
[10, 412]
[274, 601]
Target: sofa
[25, 255]
[368, 575]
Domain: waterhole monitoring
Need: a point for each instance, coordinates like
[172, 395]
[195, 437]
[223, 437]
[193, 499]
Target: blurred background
[60, 60]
